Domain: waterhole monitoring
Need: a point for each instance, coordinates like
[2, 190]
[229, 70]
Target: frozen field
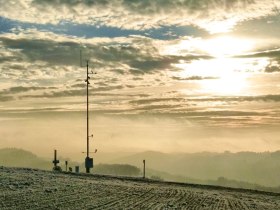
[35, 189]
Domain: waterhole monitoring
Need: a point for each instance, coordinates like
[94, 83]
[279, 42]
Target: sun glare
[215, 27]
[222, 76]
[225, 46]
[218, 47]
[231, 84]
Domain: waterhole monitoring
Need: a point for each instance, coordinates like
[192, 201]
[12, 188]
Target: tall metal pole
[88, 160]
[87, 168]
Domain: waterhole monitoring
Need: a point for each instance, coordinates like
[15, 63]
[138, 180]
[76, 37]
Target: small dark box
[89, 162]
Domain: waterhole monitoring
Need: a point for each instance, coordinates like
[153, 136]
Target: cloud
[194, 78]
[265, 29]
[17, 92]
[40, 49]
[274, 53]
[33, 55]
[273, 56]
[209, 14]
[20, 89]
[38, 61]
[157, 100]
[45, 65]
[258, 98]
[115, 100]
[273, 67]
[6, 98]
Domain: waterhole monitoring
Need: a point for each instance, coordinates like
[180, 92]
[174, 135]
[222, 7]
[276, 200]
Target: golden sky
[172, 76]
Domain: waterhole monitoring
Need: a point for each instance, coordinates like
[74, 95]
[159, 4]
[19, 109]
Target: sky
[171, 75]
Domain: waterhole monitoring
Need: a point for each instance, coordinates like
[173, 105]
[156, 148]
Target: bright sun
[224, 73]
[231, 84]
[218, 47]
[225, 46]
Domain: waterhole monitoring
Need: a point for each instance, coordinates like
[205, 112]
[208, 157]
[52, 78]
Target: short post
[55, 161]
[66, 165]
[144, 169]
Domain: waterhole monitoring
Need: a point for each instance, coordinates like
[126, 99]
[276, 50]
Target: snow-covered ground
[36, 189]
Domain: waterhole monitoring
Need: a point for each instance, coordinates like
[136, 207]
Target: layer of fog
[121, 135]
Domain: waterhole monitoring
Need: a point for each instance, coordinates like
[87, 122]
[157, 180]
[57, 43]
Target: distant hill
[117, 169]
[20, 158]
[247, 169]
[259, 168]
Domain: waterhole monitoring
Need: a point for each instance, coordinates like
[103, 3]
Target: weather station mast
[88, 159]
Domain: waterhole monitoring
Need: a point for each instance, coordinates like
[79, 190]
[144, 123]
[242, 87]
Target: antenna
[88, 160]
